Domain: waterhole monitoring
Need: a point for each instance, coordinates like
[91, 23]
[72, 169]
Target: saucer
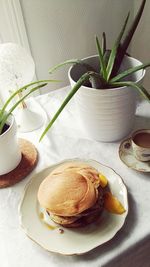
[127, 157]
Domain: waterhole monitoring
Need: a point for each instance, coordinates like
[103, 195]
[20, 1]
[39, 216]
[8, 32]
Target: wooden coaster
[26, 165]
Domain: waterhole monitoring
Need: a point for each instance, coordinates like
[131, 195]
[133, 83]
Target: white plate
[72, 241]
[127, 157]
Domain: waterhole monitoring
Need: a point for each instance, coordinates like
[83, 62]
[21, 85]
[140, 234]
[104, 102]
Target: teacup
[141, 144]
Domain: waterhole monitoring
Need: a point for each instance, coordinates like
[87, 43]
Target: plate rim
[56, 164]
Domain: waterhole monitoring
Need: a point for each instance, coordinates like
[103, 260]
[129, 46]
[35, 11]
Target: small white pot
[10, 154]
[107, 114]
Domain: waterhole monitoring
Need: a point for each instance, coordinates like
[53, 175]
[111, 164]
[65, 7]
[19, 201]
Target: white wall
[61, 29]
[64, 29]
[141, 43]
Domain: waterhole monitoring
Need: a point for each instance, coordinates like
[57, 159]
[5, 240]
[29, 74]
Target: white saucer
[127, 157]
[71, 241]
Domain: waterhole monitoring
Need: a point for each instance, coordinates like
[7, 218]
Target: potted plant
[10, 154]
[107, 99]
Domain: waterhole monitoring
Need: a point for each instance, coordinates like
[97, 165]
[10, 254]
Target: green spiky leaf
[67, 62]
[106, 56]
[71, 62]
[129, 72]
[20, 90]
[103, 43]
[114, 50]
[76, 87]
[6, 115]
[125, 44]
[140, 88]
[101, 61]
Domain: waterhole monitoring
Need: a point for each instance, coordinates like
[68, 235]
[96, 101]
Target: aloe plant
[108, 75]
[5, 111]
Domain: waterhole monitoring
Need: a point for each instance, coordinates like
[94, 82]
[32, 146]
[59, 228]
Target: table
[66, 139]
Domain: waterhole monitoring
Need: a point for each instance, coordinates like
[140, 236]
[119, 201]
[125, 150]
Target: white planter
[10, 154]
[107, 114]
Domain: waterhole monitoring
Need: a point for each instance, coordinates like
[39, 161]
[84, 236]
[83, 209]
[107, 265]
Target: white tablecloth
[66, 139]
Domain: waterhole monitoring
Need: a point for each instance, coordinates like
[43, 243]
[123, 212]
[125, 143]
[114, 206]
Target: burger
[72, 195]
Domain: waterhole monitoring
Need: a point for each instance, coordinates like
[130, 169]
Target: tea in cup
[141, 144]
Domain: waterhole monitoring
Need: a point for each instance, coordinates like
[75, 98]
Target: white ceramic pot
[107, 114]
[10, 154]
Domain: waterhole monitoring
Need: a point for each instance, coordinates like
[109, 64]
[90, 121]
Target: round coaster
[26, 165]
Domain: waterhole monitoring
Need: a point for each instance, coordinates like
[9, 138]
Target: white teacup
[141, 144]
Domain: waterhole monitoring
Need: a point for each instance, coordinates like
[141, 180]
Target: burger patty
[82, 218]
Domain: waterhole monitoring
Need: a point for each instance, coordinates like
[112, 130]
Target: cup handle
[128, 144]
[145, 155]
